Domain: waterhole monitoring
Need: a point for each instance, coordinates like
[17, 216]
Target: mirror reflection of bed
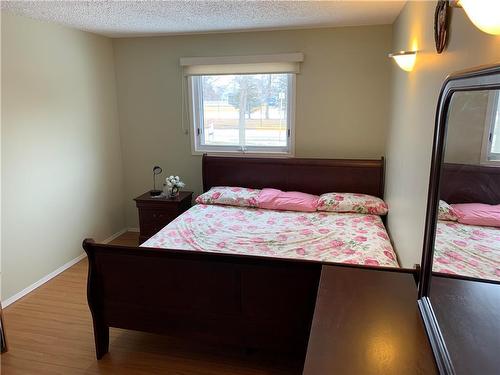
[464, 290]
[468, 230]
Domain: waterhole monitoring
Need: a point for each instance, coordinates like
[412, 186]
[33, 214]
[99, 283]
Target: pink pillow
[478, 214]
[273, 199]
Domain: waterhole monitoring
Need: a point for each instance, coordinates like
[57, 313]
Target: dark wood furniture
[156, 212]
[313, 176]
[482, 78]
[242, 301]
[462, 183]
[3, 339]
[468, 313]
[245, 301]
[367, 322]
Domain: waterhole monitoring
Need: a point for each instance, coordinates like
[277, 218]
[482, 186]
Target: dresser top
[146, 197]
[367, 322]
[469, 320]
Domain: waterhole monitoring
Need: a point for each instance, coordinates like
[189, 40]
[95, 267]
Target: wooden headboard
[313, 176]
[463, 183]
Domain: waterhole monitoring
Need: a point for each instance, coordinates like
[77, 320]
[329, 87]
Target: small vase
[173, 192]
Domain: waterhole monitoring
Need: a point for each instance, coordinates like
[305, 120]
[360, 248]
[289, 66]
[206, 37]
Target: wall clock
[441, 21]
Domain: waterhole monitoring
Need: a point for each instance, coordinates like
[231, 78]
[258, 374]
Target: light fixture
[484, 14]
[405, 59]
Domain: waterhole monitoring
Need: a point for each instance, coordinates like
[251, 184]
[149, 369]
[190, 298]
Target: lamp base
[155, 193]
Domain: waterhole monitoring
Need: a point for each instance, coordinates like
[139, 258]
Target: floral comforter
[467, 250]
[324, 236]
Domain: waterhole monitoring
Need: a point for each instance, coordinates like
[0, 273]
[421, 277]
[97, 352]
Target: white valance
[256, 64]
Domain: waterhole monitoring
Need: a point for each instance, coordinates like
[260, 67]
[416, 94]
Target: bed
[318, 236]
[468, 250]
[259, 298]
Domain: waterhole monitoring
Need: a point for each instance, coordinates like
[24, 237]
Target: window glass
[242, 112]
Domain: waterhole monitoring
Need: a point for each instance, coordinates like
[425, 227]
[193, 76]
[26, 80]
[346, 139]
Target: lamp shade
[405, 59]
[484, 14]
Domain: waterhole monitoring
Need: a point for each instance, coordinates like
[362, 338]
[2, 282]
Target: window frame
[490, 121]
[196, 124]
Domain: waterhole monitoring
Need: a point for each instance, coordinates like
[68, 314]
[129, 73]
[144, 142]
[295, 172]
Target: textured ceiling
[141, 18]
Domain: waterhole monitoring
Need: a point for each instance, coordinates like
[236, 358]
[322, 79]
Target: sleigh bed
[250, 299]
[463, 250]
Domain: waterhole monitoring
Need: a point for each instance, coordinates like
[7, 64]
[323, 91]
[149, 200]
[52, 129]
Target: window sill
[253, 154]
[490, 163]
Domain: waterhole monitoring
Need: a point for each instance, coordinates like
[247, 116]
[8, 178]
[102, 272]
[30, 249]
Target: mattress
[467, 250]
[321, 236]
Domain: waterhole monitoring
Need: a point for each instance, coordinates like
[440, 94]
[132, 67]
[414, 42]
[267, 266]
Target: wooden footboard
[249, 302]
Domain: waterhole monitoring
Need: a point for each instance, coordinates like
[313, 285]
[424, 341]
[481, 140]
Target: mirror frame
[481, 78]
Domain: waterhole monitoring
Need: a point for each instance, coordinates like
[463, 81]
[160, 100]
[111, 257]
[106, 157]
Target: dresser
[367, 322]
[156, 212]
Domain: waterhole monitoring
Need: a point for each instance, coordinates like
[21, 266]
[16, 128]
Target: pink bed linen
[324, 236]
[478, 214]
[274, 199]
[467, 250]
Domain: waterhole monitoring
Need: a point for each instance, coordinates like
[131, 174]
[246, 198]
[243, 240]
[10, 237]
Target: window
[242, 105]
[242, 112]
[491, 141]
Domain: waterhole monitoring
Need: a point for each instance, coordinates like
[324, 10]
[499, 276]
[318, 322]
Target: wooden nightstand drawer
[151, 221]
[156, 213]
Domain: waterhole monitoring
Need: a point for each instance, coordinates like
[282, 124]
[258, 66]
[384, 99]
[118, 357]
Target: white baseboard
[133, 230]
[42, 281]
[117, 234]
[53, 274]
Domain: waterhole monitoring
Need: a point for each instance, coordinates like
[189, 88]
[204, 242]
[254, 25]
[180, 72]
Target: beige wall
[413, 105]
[61, 157]
[466, 123]
[342, 96]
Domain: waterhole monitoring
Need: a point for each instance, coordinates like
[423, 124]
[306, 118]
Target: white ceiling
[141, 18]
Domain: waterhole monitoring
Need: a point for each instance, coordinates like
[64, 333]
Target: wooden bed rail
[243, 301]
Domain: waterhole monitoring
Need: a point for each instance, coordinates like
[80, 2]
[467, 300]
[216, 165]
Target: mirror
[459, 290]
[467, 239]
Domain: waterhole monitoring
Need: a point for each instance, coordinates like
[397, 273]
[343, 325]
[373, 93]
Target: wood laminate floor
[49, 331]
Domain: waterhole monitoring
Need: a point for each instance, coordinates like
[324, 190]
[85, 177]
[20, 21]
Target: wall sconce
[484, 14]
[405, 59]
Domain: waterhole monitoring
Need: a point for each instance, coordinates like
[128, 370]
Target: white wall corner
[42, 281]
[53, 274]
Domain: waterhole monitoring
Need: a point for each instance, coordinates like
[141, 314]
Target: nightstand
[155, 213]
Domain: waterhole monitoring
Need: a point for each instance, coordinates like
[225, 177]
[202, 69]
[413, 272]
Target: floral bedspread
[325, 236]
[467, 250]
